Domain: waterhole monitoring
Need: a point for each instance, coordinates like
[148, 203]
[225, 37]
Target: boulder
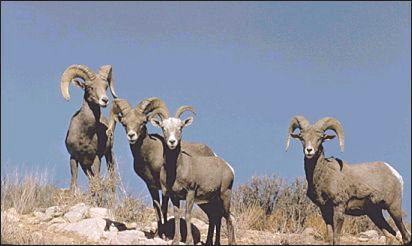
[128, 237]
[42, 216]
[103, 213]
[57, 220]
[92, 228]
[76, 213]
[54, 211]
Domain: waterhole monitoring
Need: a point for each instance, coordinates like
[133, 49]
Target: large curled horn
[183, 109]
[297, 121]
[329, 123]
[72, 72]
[118, 106]
[153, 105]
[106, 72]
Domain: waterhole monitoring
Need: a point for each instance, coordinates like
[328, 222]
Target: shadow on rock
[118, 225]
[168, 229]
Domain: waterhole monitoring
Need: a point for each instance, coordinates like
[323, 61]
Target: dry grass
[266, 203]
[269, 203]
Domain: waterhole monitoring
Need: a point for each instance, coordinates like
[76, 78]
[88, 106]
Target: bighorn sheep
[338, 188]
[206, 180]
[147, 149]
[86, 139]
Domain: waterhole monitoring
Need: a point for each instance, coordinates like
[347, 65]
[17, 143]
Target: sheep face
[172, 129]
[95, 90]
[134, 123]
[311, 139]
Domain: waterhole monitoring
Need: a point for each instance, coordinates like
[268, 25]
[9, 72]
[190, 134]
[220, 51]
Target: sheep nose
[105, 99]
[131, 135]
[172, 141]
[309, 150]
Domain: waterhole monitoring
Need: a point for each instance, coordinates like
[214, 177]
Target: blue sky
[246, 67]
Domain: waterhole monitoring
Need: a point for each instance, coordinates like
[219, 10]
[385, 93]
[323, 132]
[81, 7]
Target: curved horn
[118, 106]
[148, 105]
[164, 114]
[72, 72]
[106, 73]
[329, 123]
[297, 121]
[183, 109]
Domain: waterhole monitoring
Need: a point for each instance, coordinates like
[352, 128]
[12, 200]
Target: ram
[206, 180]
[147, 149]
[86, 139]
[338, 188]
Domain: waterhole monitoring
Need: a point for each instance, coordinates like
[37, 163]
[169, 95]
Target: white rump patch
[231, 168]
[396, 175]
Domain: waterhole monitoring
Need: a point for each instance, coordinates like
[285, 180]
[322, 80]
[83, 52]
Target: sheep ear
[77, 82]
[328, 137]
[188, 121]
[156, 122]
[295, 135]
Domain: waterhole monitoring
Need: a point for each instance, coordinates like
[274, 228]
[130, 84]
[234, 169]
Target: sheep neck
[90, 115]
[312, 165]
[143, 137]
[172, 163]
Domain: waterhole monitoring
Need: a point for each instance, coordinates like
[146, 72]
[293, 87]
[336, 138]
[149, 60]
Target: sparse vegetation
[267, 203]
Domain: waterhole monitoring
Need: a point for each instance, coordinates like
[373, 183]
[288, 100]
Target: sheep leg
[165, 204]
[74, 164]
[176, 213]
[226, 213]
[96, 176]
[396, 214]
[338, 219]
[327, 215]
[377, 218]
[154, 193]
[218, 226]
[206, 208]
[190, 199]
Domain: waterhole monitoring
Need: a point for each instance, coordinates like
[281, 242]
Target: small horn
[183, 109]
[297, 121]
[106, 73]
[72, 72]
[163, 114]
[329, 123]
[148, 105]
[118, 106]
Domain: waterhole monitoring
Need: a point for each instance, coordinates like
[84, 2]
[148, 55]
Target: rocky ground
[81, 224]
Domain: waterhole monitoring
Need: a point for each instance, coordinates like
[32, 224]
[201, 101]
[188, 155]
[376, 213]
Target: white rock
[127, 237]
[100, 213]
[369, 234]
[92, 228]
[159, 241]
[57, 220]
[54, 211]
[42, 216]
[76, 213]
[113, 228]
